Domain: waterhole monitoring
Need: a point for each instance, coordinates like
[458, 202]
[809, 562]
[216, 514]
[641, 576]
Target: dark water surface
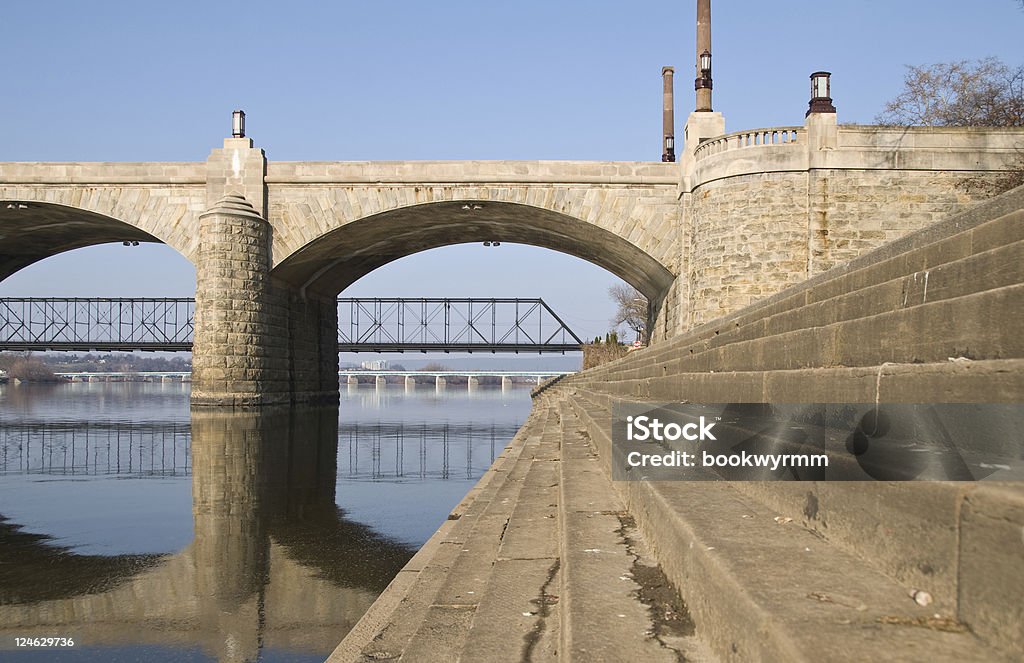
[149, 533]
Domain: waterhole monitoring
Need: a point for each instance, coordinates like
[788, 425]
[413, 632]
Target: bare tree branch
[631, 309]
[959, 94]
[965, 94]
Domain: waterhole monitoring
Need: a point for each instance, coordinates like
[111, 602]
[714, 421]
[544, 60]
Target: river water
[144, 532]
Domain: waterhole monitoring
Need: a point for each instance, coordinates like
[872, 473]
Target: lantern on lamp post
[702, 84]
[238, 124]
[703, 81]
[705, 65]
[821, 93]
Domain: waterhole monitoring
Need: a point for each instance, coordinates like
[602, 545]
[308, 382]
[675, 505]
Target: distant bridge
[364, 325]
[350, 376]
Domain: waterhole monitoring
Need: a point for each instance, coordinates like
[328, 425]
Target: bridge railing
[750, 138]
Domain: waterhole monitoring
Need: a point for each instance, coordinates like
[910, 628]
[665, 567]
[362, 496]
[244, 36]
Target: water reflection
[274, 564]
[397, 450]
[92, 448]
[148, 533]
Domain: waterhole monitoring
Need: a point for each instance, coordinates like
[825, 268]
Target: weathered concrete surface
[761, 587]
[527, 568]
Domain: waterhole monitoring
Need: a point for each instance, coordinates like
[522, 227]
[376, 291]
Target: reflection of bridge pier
[271, 555]
[231, 545]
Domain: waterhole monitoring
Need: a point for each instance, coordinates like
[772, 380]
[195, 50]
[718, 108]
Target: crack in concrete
[544, 602]
[501, 537]
[669, 614]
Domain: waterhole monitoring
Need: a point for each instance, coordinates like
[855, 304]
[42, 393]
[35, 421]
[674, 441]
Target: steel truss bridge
[364, 325]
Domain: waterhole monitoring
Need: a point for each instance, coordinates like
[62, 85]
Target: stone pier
[258, 340]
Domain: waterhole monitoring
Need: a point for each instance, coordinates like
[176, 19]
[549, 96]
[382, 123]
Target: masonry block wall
[239, 329]
[312, 346]
[762, 213]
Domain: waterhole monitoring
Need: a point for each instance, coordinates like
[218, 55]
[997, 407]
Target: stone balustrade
[750, 138]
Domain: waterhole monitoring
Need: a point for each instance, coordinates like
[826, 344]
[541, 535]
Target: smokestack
[702, 84]
[668, 118]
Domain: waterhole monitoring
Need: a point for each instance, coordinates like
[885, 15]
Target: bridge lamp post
[703, 83]
[821, 93]
[238, 124]
[705, 66]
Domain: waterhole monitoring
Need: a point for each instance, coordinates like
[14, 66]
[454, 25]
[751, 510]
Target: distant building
[375, 365]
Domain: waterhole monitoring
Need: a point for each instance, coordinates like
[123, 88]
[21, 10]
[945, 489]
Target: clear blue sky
[137, 81]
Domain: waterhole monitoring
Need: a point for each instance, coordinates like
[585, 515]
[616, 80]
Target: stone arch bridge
[741, 216]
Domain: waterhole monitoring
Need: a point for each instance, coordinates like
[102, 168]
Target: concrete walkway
[540, 562]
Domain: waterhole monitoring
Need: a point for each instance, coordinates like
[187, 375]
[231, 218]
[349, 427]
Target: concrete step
[978, 272]
[766, 590]
[474, 598]
[934, 331]
[424, 598]
[615, 602]
[515, 618]
[992, 381]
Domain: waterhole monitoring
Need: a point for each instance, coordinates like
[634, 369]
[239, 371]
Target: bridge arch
[344, 251]
[32, 229]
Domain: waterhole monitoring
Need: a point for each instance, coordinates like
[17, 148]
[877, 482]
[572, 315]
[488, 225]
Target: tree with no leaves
[631, 309]
[982, 93]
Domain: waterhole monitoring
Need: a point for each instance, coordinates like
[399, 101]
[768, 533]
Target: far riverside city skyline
[461, 81]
